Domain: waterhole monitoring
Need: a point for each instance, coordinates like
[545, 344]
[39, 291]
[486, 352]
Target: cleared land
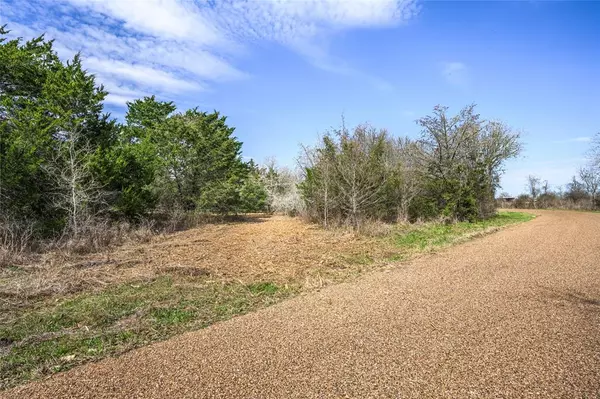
[61, 311]
[513, 314]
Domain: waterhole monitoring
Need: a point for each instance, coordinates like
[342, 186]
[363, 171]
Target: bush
[365, 174]
[15, 241]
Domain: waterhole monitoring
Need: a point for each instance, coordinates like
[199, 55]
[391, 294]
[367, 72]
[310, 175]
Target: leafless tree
[533, 187]
[545, 187]
[281, 185]
[405, 173]
[590, 177]
[594, 153]
[76, 191]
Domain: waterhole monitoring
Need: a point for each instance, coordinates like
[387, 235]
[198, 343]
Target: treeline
[65, 163]
[67, 169]
[452, 171]
[582, 192]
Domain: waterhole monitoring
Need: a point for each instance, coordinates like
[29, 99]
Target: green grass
[56, 334]
[420, 238]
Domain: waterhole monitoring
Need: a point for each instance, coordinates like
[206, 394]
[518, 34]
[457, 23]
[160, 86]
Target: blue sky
[285, 71]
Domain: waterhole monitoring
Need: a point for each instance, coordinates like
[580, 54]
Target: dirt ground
[261, 248]
[513, 314]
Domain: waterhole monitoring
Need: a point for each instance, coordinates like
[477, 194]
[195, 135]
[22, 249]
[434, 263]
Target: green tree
[52, 126]
[130, 169]
[253, 193]
[464, 156]
[25, 136]
[188, 161]
[204, 162]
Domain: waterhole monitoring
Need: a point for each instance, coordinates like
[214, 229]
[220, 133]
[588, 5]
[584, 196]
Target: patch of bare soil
[260, 248]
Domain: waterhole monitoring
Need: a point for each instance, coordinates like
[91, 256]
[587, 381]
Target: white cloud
[160, 18]
[168, 47]
[289, 21]
[455, 73]
[117, 99]
[119, 93]
[141, 75]
[584, 139]
[304, 26]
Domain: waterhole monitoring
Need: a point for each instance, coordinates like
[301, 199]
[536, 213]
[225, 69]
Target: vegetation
[581, 193]
[43, 332]
[56, 336]
[69, 172]
[365, 174]
[77, 185]
[67, 167]
[434, 235]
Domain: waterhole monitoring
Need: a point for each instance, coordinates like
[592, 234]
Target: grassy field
[62, 311]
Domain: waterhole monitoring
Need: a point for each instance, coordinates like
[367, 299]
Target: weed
[44, 334]
[432, 235]
[169, 316]
[265, 288]
[57, 336]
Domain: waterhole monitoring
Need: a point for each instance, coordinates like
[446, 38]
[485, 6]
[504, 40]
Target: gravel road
[512, 314]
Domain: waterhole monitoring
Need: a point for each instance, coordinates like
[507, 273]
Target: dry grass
[514, 315]
[277, 248]
[256, 248]
[67, 307]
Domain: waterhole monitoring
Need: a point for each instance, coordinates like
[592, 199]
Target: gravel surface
[512, 314]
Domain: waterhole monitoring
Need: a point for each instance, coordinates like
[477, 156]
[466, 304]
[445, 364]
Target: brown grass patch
[257, 248]
[69, 307]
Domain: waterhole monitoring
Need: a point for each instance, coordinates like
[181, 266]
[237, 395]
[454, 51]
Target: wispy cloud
[455, 73]
[159, 18]
[174, 46]
[584, 139]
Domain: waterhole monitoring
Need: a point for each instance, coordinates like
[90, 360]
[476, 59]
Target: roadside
[64, 312]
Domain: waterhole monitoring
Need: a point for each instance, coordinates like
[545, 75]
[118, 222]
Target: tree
[131, 168]
[178, 161]
[317, 186]
[203, 159]
[545, 187]
[75, 102]
[281, 186]
[464, 156]
[65, 162]
[359, 165]
[590, 178]
[575, 191]
[594, 153]
[405, 176]
[533, 187]
[349, 168]
[24, 128]
[51, 127]
[453, 170]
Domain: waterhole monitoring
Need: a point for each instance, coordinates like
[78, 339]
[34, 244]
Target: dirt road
[513, 314]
